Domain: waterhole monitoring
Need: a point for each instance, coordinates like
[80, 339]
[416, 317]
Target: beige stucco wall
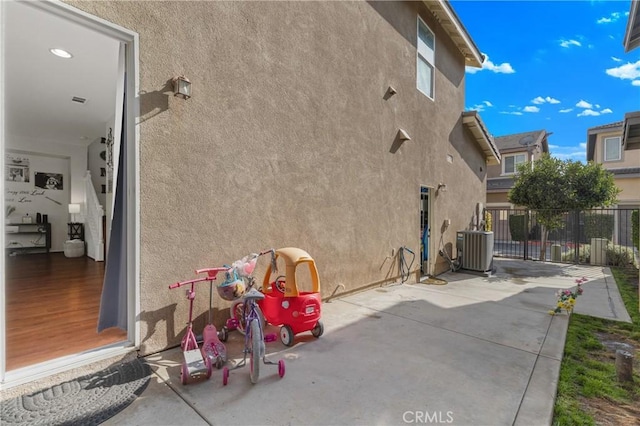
[630, 158]
[288, 141]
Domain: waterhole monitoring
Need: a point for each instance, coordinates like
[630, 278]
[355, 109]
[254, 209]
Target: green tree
[553, 187]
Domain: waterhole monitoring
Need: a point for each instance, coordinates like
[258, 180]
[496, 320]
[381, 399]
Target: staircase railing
[94, 236]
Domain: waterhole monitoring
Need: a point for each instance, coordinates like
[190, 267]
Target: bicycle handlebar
[212, 272]
[193, 281]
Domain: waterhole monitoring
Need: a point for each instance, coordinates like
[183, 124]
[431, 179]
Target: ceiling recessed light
[61, 53]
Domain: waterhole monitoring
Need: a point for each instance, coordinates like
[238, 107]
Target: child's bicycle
[253, 325]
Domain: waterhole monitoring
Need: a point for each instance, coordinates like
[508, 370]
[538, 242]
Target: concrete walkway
[476, 351]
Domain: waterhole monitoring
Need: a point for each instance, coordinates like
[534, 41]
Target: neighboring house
[514, 149]
[605, 146]
[329, 126]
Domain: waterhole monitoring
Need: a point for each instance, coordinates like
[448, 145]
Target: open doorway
[425, 229]
[63, 117]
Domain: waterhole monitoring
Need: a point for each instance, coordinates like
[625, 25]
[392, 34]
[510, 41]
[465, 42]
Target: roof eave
[631, 131]
[632, 33]
[458, 33]
[473, 122]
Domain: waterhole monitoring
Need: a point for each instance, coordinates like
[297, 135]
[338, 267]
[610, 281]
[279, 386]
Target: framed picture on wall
[17, 168]
[49, 180]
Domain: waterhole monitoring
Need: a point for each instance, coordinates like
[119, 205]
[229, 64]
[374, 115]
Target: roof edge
[456, 30]
[477, 127]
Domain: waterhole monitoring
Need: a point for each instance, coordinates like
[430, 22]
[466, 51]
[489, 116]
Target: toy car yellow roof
[292, 257]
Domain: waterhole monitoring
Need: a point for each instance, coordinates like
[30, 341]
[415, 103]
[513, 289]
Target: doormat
[87, 400]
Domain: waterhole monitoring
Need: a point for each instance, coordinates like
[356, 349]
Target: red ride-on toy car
[285, 305]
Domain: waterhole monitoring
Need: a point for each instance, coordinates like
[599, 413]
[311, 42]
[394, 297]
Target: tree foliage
[554, 186]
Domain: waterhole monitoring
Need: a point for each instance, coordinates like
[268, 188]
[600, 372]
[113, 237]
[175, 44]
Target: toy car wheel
[281, 368]
[207, 363]
[318, 329]
[184, 374]
[225, 376]
[219, 363]
[224, 334]
[286, 335]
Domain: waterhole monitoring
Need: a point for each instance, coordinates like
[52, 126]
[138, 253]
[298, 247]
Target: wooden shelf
[42, 229]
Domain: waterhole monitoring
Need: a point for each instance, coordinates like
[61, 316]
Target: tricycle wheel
[184, 374]
[318, 329]
[256, 344]
[224, 334]
[219, 362]
[225, 376]
[286, 335]
[281, 368]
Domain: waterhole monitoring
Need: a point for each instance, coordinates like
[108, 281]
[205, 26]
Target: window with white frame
[511, 162]
[425, 73]
[612, 149]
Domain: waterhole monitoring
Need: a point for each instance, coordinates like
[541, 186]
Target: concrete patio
[476, 351]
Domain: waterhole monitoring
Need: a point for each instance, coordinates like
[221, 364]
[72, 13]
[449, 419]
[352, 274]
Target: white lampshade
[73, 209]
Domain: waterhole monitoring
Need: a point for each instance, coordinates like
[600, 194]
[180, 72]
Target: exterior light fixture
[442, 187]
[182, 87]
[403, 135]
[61, 53]
[73, 210]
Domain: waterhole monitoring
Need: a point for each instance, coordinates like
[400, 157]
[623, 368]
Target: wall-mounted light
[441, 188]
[73, 210]
[403, 135]
[182, 87]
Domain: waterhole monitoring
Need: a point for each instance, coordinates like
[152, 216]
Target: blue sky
[553, 65]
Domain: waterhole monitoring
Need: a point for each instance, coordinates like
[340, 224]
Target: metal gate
[597, 236]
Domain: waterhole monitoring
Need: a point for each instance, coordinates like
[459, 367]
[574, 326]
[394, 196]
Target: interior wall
[66, 160]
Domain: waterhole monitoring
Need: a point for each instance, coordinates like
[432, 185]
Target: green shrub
[598, 225]
[635, 231]
[584, 254]
[619, 255]
[517, 227]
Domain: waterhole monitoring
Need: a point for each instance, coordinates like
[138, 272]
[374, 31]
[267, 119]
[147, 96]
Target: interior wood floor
[52, 305]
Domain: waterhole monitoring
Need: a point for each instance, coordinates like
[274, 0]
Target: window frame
[604, 148]
[515, 163]
[427, 55]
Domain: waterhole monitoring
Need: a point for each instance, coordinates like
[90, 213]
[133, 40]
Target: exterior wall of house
[288, 140]
[628, 183]
[629, 158]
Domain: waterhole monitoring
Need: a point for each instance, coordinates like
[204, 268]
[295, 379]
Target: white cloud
[608, 19]
[568, 43]
[531, 108]
[504, 68]
[588, 112]
[487, 103]
[616, 59]
[574, 155]
[540, 100]
[627, 71]
[511, 112]
[481, 106]
[635, 83]
[554, 146]
[606, 111]
[566, 110]
[584, 104]
[583, 145]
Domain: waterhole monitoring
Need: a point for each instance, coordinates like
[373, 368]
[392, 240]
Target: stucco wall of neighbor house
[288, 141]
[630, 190]
[498, 197]
[630, 158]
